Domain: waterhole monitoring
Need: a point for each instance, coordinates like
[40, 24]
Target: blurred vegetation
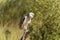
[45, 25]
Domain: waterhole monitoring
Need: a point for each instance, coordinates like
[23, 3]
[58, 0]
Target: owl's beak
[31, 16]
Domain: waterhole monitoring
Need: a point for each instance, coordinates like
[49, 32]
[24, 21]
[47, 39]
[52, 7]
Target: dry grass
[14, 33]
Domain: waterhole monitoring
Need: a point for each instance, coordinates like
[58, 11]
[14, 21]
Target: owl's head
[31, 14]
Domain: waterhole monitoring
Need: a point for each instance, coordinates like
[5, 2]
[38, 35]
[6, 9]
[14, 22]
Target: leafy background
[45, 24]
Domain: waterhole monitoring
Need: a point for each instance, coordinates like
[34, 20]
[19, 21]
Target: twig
[25, 35]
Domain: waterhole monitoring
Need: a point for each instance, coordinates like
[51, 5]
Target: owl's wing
[21, 22]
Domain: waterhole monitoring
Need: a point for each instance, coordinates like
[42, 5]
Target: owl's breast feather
[29, 21]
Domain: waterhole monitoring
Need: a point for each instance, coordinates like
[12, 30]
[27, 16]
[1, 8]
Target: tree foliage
[46, 22]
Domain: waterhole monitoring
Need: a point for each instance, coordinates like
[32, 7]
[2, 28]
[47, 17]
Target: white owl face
[31, 14]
